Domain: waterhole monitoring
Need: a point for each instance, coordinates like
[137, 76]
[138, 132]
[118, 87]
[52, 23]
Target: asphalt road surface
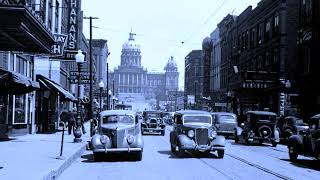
[239, 162]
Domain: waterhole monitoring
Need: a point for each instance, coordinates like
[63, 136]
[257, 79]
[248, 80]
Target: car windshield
[153, 115]
[262, 118]
[190, 119]
[116, 119]
[226, 119]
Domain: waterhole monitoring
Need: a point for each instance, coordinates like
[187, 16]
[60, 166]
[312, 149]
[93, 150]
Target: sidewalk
[34, 156]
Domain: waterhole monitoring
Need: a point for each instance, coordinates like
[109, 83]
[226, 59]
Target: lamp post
[101, 85]
[109, 98]
[77, 133]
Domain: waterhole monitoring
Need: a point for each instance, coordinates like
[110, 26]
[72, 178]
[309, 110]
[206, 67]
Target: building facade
[308, 43]
[193, 80]
[258, 59]
[132, 80]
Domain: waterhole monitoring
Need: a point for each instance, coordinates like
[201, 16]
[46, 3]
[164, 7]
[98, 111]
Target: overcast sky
[160, 25]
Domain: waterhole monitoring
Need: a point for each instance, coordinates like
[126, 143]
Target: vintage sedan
[291, 125]
[225, 123]
[307, 144]
[118, 131]
[259, 126]
[193, 131]
[153, 123]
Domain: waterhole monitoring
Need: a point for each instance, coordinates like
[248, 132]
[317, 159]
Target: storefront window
[19, 111]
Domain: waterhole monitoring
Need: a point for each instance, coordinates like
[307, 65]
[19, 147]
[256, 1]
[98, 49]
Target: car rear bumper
[117, 150]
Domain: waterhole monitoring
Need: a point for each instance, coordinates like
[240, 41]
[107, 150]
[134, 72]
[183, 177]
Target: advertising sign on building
[60, 41]
[281, 104]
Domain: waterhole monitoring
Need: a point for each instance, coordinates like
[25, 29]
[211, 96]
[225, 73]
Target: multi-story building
[132, 80]
[258, 57]
[17, 99]
[193, 80]
[100, 55]
[308, 44]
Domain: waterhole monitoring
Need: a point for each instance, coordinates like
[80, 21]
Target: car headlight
[191, 133]
[158, 121]
[104, 139]
[130, 139]
[213, 134]
[148, 121]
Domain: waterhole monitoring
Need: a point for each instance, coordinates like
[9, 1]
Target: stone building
[258, 57]
[133, 82]
[193, 80]
[309, 45]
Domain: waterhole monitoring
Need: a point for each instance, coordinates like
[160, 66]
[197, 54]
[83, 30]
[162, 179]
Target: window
[276, 24]
[252, 37]
[260, 31]
[267, 30]
[19, 111]
[56, 25]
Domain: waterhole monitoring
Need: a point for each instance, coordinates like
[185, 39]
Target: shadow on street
[251, 144]
[111, 157]
[189, 155]
[305, 163]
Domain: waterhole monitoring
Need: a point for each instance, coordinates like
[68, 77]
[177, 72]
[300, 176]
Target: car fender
[276, 135]
[139, 143]
[184, 140]
[143, 125]
[238, 130]
[296, 141]
[219, 141]
[96, 143]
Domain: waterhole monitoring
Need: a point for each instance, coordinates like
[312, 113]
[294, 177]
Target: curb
[55, 173]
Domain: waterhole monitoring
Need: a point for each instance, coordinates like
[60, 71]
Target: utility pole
[91, 73]
[108, 101]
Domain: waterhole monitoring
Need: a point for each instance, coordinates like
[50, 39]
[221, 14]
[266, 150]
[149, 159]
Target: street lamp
[109, 95]
[77, 133]
[101, 85]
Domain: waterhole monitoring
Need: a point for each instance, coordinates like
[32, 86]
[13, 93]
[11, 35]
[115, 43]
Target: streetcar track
[241, 160]
[201, 160]
[259, 167]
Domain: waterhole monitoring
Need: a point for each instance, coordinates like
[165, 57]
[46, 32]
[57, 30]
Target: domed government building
[134, 85]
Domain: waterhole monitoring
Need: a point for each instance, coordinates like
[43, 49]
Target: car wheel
[163, 133]
[172, 148]
[293, 155]
[220, 154]
[274, 144]
[180, 153]
[98, 157]
[236, 139]
[138, 156]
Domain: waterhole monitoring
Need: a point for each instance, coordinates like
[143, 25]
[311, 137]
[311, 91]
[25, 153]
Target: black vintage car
[153, 123]
[194, 131]
[291, 125]
[259, 126]
[307, 144]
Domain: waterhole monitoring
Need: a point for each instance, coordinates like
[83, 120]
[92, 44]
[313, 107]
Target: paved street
[240, 162]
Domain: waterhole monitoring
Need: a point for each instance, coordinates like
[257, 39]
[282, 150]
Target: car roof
[192, 112]
[117, 112]
[223, 113]
[317, 116]
[152, 111]
[261, 113]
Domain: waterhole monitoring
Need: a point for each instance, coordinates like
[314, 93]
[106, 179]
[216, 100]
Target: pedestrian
[71, 121]
[82, 120]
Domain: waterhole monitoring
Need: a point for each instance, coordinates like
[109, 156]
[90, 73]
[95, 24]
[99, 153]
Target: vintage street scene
[168, 90]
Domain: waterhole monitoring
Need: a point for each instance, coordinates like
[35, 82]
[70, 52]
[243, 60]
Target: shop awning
[22, 30]
[14, 83]
[48, 84]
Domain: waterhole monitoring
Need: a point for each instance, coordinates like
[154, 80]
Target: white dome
[131, 44]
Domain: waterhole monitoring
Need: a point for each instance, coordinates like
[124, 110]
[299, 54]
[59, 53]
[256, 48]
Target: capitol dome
[131, 45]
[171, 65]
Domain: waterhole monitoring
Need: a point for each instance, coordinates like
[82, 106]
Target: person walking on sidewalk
[72, 120]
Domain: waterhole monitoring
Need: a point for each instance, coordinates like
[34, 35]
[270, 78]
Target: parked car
[307, 144]
[119, 131]
[225, 123]
[291, 125]
[193, 131]
[259, 126]
[153, 123]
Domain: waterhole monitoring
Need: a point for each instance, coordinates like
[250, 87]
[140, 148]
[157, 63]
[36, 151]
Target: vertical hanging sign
[73, 26]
